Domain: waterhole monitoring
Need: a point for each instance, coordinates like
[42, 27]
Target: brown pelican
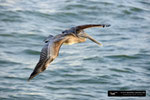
[53, 43]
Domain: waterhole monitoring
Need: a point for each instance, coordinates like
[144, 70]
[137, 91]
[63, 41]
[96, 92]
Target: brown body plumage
[53, 43]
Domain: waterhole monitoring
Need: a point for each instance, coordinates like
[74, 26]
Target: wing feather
[49, 52]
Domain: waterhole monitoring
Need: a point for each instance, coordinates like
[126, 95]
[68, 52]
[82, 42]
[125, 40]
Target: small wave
[10, 16]
[35, 13]
[104, 77]
[74, 75]
[121, 70]
[14, 78]
[72, 6]
[6, 35]
[135, 9]
[92, 58]
[92, 80]
[31, 93]
[127, 12]
[8, 62]
[72, 88]
[32, 52]
[122, 56]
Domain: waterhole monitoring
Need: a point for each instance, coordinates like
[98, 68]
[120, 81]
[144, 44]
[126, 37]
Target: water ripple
[81, 71]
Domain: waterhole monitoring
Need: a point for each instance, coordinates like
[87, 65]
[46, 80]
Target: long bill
[92, 39]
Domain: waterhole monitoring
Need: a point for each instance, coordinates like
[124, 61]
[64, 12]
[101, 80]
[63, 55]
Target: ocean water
[82, 71]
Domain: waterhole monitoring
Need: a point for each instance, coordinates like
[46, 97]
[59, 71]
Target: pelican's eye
[65, 32]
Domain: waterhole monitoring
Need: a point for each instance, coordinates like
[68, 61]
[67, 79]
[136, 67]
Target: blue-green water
[82, 71]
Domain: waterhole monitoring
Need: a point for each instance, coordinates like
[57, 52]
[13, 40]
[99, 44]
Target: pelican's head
[50, 37]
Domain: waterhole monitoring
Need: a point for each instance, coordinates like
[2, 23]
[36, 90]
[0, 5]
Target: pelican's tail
[81, 27]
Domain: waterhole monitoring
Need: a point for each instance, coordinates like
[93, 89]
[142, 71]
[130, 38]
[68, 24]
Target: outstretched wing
[49, 52]
[81, 27]
[76, 30]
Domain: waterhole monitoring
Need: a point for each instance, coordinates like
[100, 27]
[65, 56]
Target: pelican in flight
[53, 43]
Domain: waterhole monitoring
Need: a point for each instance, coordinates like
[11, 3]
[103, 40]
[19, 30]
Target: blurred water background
[82, 71]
